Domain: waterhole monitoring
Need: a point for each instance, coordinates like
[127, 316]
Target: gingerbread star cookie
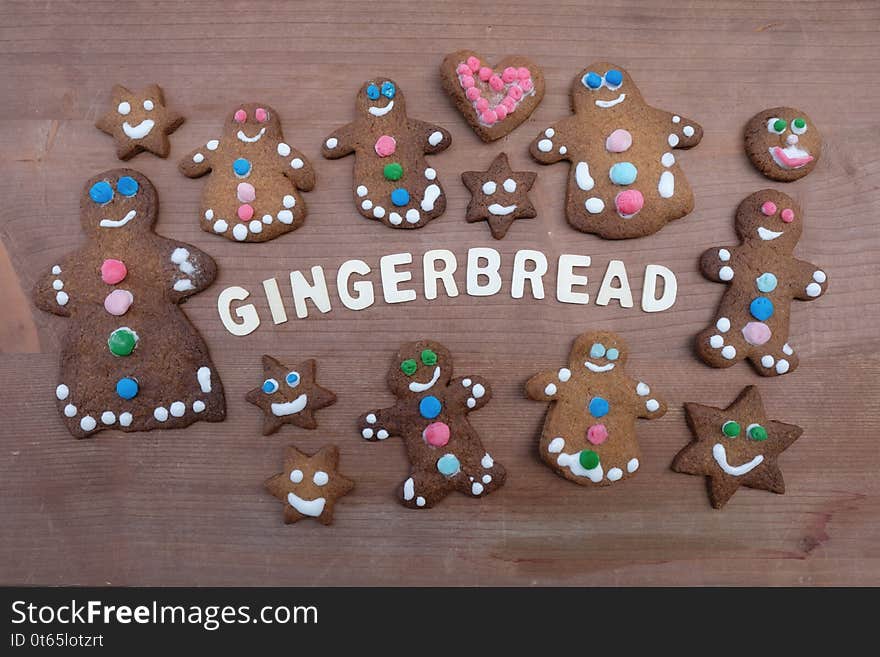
[139, 121]
[289, 395]
[499, 195]
[735, 446]
[309, 485]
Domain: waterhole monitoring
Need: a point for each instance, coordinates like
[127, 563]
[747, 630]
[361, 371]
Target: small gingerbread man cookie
[139, 121]
[499, 195]
[783, 143]
[752, 321]
[310, 485]
[589, 434]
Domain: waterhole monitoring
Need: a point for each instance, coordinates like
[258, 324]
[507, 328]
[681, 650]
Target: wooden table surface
[187, 507]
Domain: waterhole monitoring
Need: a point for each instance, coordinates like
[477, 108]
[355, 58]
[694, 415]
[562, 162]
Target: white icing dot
[642, 389]
[108, 417]
[420, 501]
[239, 232]
[297, 163]
[371, 418]
[725, 273]
[87, 423]
[487, 479]
[489, 187]
[212, 145]
[673, 140]
[148, 104]
[220, 226]
[819, 276]
[179, 255]
[782, 366]
[633, 465]
[478, 390]
[296, 475]
[161, 413]
[667, 160]
[395, 219]
[361, 191]
[545, 145]
[614, 474]
[767, 360]
[62, 391]
[510, 185]
[487, 461]
[723, 324]
[381, 434]
[688, 131]
[594, 205]
[549, 132]
[563, 150]
[367, 433]
[255, 226]
[125, 419]
[321, 478]
[430, 173]
[556, 445]
[476, 488]
[550, 390]
[58, 284]
[729, 352]
[209, 214]
[564, 374]
[412, 216]
[435, 138]
[56, 269]
[471, 402]
[676, 119]
[70, 410]
[283, 149]
[716, 342]
[787, 350]
[178, 408]
[285, 217]
[198, 158]
[367, 204]
[332, 142]
[466, 383]
[723, 255]
[123, 108]
[814, 289]
[652, 405]
[378, 212]
[62, 298]
[198, 406]
[288, 201]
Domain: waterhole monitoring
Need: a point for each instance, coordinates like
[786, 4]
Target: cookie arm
[339, 143]
[197, 162]
[546, 386]
[683, 132]
[648, 405]
[545, 148]
[194, 270]
[715, 263]
[378, 424]
[298, 168]
[47, 294]
[810, 282]
[469, 392]
[432, 137]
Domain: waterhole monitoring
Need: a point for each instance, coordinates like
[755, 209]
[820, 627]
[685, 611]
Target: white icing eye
[799, 126]
[296, 476]
[321, 478]
[148, 104]
[489, 188]
[510, 185]
[776, 126]
[123, 108]
[270, 386]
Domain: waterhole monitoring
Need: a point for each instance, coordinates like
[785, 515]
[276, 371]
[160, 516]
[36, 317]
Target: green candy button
[779, 125]
[429, 357]
[757, 432]
[393, 171]
[122, 341]
[730, 429]
[589, 459]
[409, 367]
[799, 123]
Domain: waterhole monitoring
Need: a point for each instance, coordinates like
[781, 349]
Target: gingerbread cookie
[310, 485]
[289, 395]
[139, 121]
[499, 195]
[430, 414]
[589, 434]
[392, 181]
[735, 446]
[763, 277]
[252, 194]
[494, 100]
[783, 143]
[624, 180]
[130, 360]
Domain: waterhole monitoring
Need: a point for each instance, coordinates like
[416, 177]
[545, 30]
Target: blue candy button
[614, 77]
[429, 407]
[101, 192]
[612, 354]
[598, 407]
[761, 308]
[400, 197]
[388, 89]
[623, 173]
[597, 350]
[127, 186]
[592, 80]
[373, 92]
[766, 282]
[448, 465]
[241, 167]
[127, 388]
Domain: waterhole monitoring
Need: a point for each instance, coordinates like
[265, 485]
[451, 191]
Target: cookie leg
[424, 489]
[721, 345]
[617, 473]
[773, 360]
[482, 479]
[583, 463]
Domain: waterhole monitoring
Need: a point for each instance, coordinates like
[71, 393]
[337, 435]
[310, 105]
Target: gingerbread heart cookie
[494, 100]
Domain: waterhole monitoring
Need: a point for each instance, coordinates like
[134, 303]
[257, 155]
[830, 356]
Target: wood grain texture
[187, 507]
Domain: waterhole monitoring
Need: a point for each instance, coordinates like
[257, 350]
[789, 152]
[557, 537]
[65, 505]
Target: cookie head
[597, 352]
[770, 217]
[380, 97]
[419, 367]
[253, 122]
[116, 201]
[603, 87]
[783, 143]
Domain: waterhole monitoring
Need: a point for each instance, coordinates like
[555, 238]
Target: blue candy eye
[101, 192]
[292, 379]
[592, 80]
[270, 386]
[373, 92]
[613, 78]
[597, 350]
[612, 354]
[388, 89]
[127, 186]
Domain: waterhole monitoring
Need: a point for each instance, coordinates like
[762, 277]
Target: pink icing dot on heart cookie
[501, 112]
[113, 271]
[489, 117]
[473, 93]
[508, 75]
[526, 85]
[467, 81]
[463, 69]
[514, 93]
[473, 63]
[385, 146]
[485, 73]
[496, 83]
[482, 104]
[523, 73]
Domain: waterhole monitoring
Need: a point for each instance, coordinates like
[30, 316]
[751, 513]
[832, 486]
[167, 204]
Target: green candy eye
[776, 125]
[799, 126]
[730, 429]
[429, 357]
[757, 432]
[409, 367]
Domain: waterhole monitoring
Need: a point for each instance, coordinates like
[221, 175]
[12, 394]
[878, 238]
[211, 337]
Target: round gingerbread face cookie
[783, 143]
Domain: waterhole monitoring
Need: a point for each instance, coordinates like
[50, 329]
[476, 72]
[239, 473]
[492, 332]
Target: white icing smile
[720, 455]
[118, 223]
[291, 407]
[138, 131]
[605, 104]
[312, 508]
[598, 368]
[382, 111]
[766, 234]
[501, 210]
[250, 140]
[415, 386]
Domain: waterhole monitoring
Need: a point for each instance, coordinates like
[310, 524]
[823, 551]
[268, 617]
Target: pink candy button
[246, 192]
[618, 141]
[261, 114]
[118, 302]
[768, 209]
[245, 212]
[240, 116]
[756, 333]
[385, 146]
[787, 215]
[113, 271]
[436, 434]
[597, 434]
[629, 202]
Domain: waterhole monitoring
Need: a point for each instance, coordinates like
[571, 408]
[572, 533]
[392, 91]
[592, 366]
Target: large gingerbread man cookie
[130, 360]
[430, 414]
[763, 277]
[392, 180]
[624, 180]
[589, 434]
[252, 194]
